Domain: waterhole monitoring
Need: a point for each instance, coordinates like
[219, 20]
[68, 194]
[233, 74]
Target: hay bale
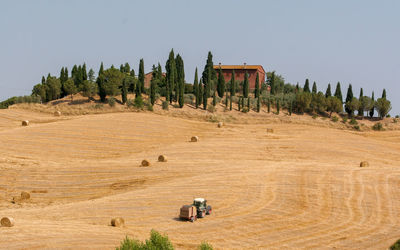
[25, 123]
[25, 195]
[57, 113]
[194, 139]
[145, 163]
[364, 164]
[117, 222]
[220, 124]
[270, 130]
[7, 222]
[162, 158]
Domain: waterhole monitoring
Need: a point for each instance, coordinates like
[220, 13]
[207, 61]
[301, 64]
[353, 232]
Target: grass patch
[378, 127]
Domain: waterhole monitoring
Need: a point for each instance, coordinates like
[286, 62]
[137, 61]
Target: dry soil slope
[298, 187]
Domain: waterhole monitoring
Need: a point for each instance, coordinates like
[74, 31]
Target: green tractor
[202, 208]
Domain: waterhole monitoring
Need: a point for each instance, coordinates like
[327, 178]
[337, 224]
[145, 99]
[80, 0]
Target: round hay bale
[57, 113]
[194, 139]
[162, 158]
[364, 164]
[25, 123]
[220, 124]
[117, 222]
[270, 130]
[145, 163]
[7, 222]
[25, 195]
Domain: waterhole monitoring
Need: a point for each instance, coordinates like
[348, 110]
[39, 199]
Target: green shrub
[130, 103]
[165, 105]
[353, 121]
[245, 109]
[377, 127]
[111, 101]
[356, 127]
[156, 241]
[394, 120]
[138, 102]
[150, 107]
[205, 246]
[344, 119]
[335, 119]
[395, 246]
[98, 106]
[189, 99]
[314, 116]
[397, 116]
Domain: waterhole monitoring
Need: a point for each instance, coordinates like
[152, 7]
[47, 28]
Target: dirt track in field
[299, 187]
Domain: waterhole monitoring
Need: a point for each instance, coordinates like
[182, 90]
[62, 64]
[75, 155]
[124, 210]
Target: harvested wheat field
[298, 187]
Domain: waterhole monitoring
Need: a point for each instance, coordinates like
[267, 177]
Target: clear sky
[355, 42]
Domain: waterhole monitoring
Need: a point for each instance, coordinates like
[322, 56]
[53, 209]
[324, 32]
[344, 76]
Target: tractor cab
[201, 206]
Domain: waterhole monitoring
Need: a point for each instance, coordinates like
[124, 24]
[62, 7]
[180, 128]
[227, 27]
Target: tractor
[198, 209]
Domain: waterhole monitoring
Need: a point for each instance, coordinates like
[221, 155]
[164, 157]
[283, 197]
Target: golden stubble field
[299, 187]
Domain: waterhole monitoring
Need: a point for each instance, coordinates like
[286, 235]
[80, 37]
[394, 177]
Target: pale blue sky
[355, 42]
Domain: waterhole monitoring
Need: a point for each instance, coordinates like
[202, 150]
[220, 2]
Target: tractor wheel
[208, 210]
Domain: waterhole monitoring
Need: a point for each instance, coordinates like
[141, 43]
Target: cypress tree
[349, 97]
[230, 102]
[200, 93]
[84, 73]
[66, 74]
[314, 88]
[205, 96]
[170, 68]
[306, 86]
[159, 71]
[258, 104]
[214, 101]
[196, 88]
[221, 84]
[269, 105]
[100, 83]
[153, 86]
[242, 102]
[127, 68]
[124, 91]
[338, 92]
[180, 80]
[43, 80]
[371, 112]
[62, 75]
[360, 108]
[384, 94]
[141, 76]
[226, 99]
[290, 107]
[233, 90]
[122, 68]
[272, 83]
[246, 85]
[277, 106]
[248, 103]
[257, 87]
[239, 102]
[328, 92]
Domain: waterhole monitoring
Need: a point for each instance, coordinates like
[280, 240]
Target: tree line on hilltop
[274, 93]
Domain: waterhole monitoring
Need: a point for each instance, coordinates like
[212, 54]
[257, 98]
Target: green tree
[70, 88]
[349, 98]
[39, 90]
[258, 104]
[303, 101]
[180, 80]
[384, 93]
[91, 75]
[205, 96]
[196, 88]
[338, 92]
[272, 83]
[383, 107]
[84, 73]
[43, 80]
[230, 102]
[153, 86]
[141, 77]
[318, 102]
[277, 107]
[53, 88]
[233, 89]
[333, 104]
[351, 106]
[170, 68]
[257, 87]
[100, 83]
[200, 93]
[306, 87]
[361, 106]
[328, 92]
[124, 91]
[269, 105]
[314, 88]
[246, 85]
[214, 100]
[89, 89]
[221, 83]
[112, 79]
[209, 74]
[366, 104]
[371, 112]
